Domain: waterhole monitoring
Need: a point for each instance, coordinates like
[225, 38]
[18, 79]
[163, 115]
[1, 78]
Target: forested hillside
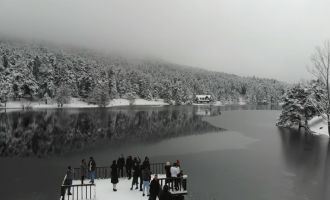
[45, 71]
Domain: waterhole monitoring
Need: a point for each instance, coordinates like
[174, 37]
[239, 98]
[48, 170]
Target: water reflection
[58, 131]
[307, 160]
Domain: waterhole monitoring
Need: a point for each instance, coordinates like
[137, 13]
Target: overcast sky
[266, 38]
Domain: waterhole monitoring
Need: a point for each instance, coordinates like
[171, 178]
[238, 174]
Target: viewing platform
[102, 188]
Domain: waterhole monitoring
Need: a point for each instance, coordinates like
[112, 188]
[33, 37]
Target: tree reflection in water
[57, 131]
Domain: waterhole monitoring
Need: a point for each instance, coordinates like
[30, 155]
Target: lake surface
[233, 152]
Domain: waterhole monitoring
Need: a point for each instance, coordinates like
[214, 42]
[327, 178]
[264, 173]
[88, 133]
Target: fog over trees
[44, 71]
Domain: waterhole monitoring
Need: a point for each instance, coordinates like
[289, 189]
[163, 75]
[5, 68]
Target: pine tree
[63, 95]
[297, 110]
[5, 62]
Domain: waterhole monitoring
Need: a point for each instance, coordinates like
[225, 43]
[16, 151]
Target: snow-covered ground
[77, 103]
[143, 102]
[103, 190]
[318, 126]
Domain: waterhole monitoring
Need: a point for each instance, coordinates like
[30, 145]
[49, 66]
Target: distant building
[203, 98]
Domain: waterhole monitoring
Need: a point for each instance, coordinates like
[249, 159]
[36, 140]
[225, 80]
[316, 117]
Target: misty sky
[267, 38]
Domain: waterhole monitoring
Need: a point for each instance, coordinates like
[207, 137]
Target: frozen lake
[238, 154]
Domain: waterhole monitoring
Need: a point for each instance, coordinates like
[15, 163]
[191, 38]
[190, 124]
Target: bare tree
[321, 71]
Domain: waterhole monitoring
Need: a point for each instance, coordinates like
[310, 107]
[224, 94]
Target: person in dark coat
[168, 172]
[140, 175]
[129, 165]
[67, 182]
[136, 171]
[83, 170]
[121, 164]
[91, 169]
[180, 180]
[114, 175]
[146, 162]
[154, 188]
[165, 194]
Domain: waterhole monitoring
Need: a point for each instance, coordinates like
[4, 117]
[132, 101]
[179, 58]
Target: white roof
[203, 95]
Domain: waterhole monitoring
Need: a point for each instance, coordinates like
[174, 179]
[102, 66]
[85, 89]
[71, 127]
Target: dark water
[238, 154]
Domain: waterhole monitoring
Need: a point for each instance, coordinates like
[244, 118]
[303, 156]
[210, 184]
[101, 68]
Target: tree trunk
[328, 125]
[299, 126]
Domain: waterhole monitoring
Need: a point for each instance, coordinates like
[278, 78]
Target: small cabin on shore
[205, 98]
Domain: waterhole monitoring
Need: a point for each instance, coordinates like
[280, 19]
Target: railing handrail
[177, 185]
[107, 166]
[104, 171]
[172, 178]
[78, 191]
[77, 185]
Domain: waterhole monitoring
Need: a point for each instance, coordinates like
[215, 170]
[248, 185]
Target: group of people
[140, 173]
[174, 173]
[136, 171]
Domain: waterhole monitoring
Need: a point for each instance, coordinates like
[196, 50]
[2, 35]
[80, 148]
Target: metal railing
[177, 186]
[78, 192]
[105, 171]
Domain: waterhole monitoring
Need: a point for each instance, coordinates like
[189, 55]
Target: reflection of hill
[50, 132]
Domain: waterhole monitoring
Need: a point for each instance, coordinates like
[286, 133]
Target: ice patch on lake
[214, 141]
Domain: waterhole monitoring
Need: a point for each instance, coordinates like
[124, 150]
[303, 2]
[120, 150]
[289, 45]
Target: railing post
[67, 192]
[90, 191]
[72, 189]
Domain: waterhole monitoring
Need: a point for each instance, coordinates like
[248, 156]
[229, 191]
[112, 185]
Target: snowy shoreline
[77, 103]
[318, 126]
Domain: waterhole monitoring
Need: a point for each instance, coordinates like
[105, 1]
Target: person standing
[146, 176]
[136, 169]
[67, 182]
[91, 169]
[140, 175]
[168, 171]
[121, 164]
[154, 188]
[114, 175]
[83, 169]
[129, 164]
[146, 162]
[180, 180]
[175, 170]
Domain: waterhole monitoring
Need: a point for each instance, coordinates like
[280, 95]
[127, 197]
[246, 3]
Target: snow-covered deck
[103, 190]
